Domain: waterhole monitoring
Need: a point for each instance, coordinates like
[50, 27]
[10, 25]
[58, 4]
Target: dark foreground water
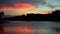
[31, 27]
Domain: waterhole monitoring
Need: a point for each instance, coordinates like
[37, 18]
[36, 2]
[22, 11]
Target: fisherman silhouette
[2, 23]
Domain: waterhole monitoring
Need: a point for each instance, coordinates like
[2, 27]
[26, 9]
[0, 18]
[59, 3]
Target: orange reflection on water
[26, 30]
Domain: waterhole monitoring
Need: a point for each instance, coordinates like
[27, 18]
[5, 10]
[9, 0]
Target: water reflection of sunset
[32, 27]
[26, 30]
[21, 30]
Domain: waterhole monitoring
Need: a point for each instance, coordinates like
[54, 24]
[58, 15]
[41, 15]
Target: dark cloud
[11, 2]
[51, 6]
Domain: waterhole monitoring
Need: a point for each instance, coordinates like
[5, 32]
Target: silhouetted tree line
[54, 16]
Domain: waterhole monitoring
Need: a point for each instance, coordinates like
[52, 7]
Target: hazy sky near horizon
[18, 7]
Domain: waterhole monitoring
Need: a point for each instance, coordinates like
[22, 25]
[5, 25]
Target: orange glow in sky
[24, 8]
[25, 5]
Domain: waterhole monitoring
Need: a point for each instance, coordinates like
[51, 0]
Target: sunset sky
[19, 7]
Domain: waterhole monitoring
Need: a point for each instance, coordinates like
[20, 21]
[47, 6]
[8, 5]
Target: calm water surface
[31, 27]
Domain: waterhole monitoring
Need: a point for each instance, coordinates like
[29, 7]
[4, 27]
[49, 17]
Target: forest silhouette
[54, 16]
